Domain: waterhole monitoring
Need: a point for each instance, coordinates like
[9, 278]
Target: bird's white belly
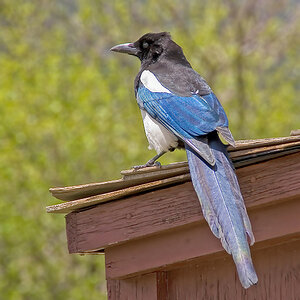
[159, 138]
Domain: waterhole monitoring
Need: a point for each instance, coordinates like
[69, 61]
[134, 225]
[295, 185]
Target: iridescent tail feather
[223, 206]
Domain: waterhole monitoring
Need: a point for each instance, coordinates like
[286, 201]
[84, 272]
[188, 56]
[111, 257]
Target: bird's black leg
[152, 162]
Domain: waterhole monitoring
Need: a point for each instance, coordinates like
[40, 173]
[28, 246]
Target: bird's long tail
[223, 206]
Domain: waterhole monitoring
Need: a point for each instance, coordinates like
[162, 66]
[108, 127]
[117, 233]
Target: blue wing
[186, 117]
[189, 118]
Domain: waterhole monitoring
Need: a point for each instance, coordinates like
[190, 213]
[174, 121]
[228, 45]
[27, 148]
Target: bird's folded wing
[187, 117]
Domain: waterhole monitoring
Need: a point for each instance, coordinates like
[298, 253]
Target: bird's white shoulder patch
[151, 83]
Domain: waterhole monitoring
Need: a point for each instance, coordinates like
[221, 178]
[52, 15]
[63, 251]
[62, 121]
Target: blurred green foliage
[68, 113]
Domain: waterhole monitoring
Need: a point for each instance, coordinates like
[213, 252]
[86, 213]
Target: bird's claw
[148, 164]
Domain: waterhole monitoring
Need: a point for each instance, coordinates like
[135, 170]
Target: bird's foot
[148, 164]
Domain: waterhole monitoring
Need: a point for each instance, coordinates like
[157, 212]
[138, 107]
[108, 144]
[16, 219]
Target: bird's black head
[152, 47]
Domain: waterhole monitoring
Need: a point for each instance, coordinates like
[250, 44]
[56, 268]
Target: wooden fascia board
[139, 216]
[274, 224]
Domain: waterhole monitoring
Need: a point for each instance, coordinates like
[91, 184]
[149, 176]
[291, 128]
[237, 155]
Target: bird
[180, 110]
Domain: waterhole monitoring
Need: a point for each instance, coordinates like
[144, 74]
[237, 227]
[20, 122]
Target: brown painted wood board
[149, 213]
[141, 287]
[194, 241]
[277, 268]
[162, 285]
[132, 217]
[151, 286]
[272, 180]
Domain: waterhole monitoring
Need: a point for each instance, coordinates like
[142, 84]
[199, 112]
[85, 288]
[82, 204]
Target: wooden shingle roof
[245, 153]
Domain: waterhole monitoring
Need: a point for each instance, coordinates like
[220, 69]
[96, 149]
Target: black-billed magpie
[179, 109]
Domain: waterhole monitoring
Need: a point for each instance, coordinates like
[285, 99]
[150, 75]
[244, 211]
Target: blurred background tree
[68, 113]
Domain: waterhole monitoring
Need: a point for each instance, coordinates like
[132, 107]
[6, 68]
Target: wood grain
[265, 149]
[141, 287]
[261, 157]
[270, 223]
[248, 144]
[162, 285]
[150, 213]
[277, 267]
[151, 286]
[158, 246]
[130, 178]
[67, 207]
[278, 270]
[246, 153]
[271, 181]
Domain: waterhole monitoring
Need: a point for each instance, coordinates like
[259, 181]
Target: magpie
[179, 109]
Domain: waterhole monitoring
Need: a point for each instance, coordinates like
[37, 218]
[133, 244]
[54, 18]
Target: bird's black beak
[128, 48]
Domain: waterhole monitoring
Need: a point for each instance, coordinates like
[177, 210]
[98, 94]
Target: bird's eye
[145, 45]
